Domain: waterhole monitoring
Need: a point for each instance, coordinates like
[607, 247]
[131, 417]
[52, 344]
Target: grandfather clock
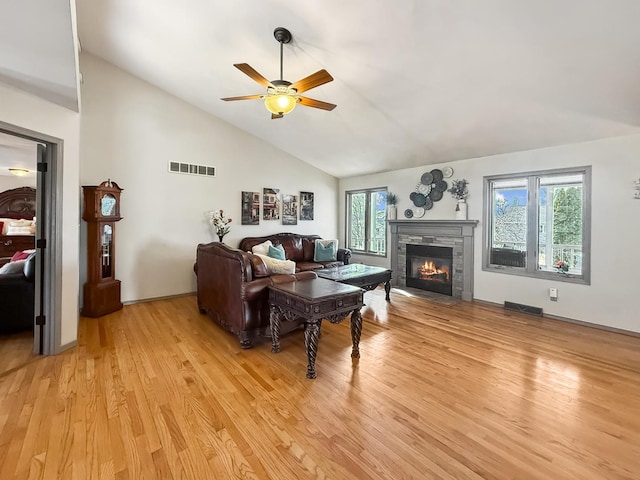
[101, 293]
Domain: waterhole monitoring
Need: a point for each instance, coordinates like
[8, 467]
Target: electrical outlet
[553, 294]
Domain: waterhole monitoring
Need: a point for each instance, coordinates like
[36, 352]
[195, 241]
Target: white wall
[32, 113]
[611, 299]
[131, 130]
[9, 182]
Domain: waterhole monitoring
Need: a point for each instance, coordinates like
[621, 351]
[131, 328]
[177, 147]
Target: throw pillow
[275, 266]
[277, 252]
[325, 251]
[20, 256]
[13, 267]
[262, 248]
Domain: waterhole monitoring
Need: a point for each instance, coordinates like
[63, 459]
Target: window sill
[367, 254]
[540, 274]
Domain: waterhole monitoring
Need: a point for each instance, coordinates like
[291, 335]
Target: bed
[17, 215]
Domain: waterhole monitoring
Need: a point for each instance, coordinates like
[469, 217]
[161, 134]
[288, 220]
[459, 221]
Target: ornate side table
[314, 300]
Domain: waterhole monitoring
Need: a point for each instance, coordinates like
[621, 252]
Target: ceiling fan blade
[312, 81]
[274, 116]
[310, 102]
[245, 97]
[250, 71]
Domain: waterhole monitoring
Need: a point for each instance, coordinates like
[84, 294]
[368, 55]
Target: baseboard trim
[155, 299]
[67, 346]
[559, 318]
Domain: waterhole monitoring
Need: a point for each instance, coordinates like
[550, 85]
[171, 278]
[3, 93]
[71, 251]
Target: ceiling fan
[282, 96]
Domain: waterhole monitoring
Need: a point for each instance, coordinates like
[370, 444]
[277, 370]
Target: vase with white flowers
[220, 223]
[460, 192]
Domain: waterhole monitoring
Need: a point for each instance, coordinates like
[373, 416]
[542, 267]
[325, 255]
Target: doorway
[44, 339]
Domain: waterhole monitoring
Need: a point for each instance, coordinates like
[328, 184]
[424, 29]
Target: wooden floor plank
[467, 391]
[16, 350]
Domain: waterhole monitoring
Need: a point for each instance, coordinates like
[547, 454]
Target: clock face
[108, 206]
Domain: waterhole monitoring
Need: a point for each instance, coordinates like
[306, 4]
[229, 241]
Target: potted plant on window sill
[392, 200]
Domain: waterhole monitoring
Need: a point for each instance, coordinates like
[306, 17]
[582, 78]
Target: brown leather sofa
[232, 284]
[299, 248]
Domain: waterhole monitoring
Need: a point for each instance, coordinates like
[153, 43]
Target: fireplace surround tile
[457, 234]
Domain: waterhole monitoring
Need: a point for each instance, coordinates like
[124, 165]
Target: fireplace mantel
[457, 234]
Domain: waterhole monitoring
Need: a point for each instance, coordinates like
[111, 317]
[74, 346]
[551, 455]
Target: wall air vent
[518, 307]
[192, 169]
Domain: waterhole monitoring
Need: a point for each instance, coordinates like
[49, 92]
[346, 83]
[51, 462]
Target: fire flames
[429, 271]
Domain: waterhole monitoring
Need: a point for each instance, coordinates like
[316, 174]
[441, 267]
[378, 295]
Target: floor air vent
[518, 307]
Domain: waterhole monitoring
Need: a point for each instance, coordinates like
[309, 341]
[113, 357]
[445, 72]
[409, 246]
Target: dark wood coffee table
[314, 300]
[363, 276]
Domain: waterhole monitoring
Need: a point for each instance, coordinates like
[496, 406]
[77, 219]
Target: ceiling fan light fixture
[280, 104]
[283, 96]
[19, 172]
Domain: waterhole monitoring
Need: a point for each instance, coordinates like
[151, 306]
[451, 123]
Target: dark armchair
[17, 298]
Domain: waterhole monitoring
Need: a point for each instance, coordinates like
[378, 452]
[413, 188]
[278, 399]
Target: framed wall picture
[289, 210]
[270, 204]
[250, 208]
[306, 205]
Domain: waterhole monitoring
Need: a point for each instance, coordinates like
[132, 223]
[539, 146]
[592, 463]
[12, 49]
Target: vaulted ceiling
[416, 82]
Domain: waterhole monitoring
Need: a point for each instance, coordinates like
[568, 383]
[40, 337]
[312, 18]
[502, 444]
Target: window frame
[367, 224]
[531, 269]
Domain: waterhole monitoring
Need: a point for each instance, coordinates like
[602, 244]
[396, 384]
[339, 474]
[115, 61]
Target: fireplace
[454, 234]
[430, 268]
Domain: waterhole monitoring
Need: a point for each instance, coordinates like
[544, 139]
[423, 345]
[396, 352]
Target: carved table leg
[356, 330]
[245, 340]
[311, 346]
[274, 318]
[387, 289]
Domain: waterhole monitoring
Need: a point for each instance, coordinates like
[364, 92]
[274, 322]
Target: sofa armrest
[344, 255]
[258, 266]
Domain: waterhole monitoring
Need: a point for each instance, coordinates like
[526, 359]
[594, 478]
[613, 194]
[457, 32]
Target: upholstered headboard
[18, 203]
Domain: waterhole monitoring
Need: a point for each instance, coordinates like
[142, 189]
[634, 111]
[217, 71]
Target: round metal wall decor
[429, 204]
[427, 178]
[419, 200]
[430, 189]
[436, 195]
[441, 186]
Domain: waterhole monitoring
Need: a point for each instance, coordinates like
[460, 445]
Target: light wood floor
[468, 391]
[16, 350]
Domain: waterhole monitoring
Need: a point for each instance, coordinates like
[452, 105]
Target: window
[538, 224]
[367, 221]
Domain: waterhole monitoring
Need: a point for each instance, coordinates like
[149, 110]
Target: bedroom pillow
[325, 251]
[13, 267]
[275, 266]
[5, 224]
[19, 256]
[21, 227]
[277, 252]
[262, 248]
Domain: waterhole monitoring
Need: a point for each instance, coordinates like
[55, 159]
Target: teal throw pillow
[276, 252]
[325, 251]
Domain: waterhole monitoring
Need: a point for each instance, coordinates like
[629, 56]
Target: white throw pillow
[262, 248]
[13, 267]
[275, 266]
